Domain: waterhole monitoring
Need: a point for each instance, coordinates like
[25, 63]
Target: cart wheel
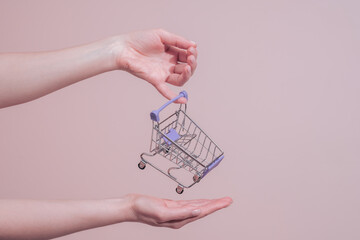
[179, 189]
[142, 165]
[196, 178]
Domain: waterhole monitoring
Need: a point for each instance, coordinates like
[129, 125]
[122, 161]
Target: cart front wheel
[196, 178]
[142, 165]
[179, 189]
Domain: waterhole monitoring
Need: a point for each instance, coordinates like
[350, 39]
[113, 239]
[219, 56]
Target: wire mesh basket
[180, 141]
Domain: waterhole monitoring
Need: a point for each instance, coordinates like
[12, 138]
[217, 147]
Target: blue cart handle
[154, 115]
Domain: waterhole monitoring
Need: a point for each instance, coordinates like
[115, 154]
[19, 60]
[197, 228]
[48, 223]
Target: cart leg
[179, 189]
[141, 165]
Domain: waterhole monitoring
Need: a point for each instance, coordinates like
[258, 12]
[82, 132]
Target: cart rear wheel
[179, 189]
[142, 165]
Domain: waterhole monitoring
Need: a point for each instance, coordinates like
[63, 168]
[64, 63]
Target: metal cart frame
[181, 141]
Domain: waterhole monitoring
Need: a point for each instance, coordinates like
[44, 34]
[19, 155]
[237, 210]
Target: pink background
[277, 87]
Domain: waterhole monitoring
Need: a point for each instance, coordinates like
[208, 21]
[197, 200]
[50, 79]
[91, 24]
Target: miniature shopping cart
[184, 145]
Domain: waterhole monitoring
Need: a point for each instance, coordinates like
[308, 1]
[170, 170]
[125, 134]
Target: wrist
[104, 53]
[113, 48]
[122, 208]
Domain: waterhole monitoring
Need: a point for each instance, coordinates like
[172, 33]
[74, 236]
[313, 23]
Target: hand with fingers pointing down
[158, 57]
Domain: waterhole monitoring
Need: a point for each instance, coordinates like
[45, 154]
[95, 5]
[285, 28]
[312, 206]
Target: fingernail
[196, 212]
[194, 43]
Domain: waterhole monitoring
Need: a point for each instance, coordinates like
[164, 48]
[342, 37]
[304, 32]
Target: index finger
[174, 40]
[167, 93]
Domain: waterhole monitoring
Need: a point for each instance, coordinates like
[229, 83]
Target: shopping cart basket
[184, 144]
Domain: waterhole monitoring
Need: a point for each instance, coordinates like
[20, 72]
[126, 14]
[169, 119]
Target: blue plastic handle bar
[154, 115]
[213, 165]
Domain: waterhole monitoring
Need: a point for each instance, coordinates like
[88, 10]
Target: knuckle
[180, 82]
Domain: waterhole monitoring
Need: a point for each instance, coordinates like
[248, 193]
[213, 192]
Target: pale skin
[157, 56]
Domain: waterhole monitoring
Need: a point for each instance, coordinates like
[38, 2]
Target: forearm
[27, 76]
[31, 219]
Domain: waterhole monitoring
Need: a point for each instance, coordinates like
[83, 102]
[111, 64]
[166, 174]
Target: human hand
[158, 57]
[173, 214]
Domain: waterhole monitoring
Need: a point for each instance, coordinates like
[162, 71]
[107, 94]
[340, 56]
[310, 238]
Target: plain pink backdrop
[277, 87]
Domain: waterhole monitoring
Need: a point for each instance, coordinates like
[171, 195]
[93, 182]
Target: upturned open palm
[174, 214]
